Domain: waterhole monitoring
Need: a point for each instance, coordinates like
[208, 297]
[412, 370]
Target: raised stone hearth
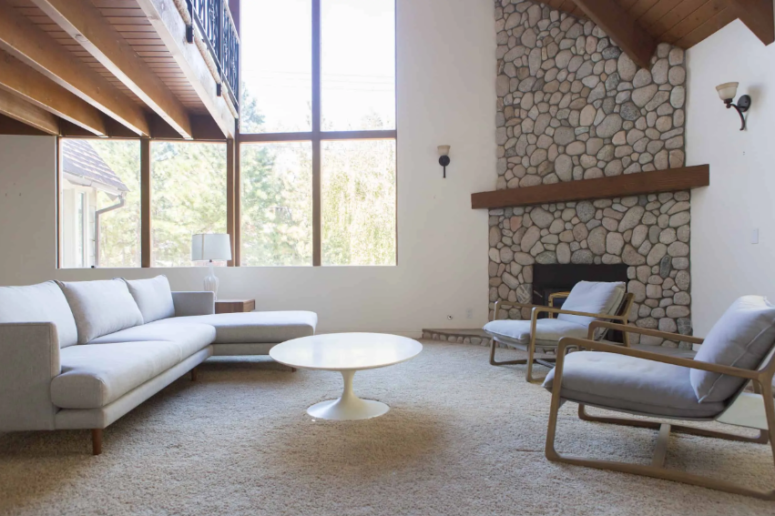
[572, 106]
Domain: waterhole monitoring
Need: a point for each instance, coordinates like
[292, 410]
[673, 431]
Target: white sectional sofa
[79, 355]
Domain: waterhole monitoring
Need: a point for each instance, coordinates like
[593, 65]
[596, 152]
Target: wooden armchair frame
[552, 312]
[750, 410]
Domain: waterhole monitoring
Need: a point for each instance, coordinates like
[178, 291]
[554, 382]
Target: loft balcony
[148, 68]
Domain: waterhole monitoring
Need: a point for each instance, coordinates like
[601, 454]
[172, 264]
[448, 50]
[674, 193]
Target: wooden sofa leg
[293, 369]
[96, 441]
[193, 375]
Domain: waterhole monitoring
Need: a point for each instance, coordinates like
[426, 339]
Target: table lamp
[209, 247]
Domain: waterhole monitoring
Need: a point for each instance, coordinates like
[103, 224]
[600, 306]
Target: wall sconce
[727, 92]
[444, 158]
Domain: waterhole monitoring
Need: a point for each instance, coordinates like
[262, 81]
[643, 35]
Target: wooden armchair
[587, 302]
[738, 350]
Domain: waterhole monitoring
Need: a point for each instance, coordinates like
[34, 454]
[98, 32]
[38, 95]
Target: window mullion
[145, 203]
[316, 123]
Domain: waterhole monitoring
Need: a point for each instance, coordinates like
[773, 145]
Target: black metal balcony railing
[214, 21]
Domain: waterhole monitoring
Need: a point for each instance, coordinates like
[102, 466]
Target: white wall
[446, 95]
[725, 265]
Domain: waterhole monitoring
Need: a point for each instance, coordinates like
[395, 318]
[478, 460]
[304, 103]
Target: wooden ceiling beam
[757, 16]
[171, 28]
[84, 22]
[18, 78]
[622, 28]
[28, 42]
[29, 114]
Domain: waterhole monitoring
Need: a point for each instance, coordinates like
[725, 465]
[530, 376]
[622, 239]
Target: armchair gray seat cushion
[95, 375]
[190, 337]
[631, 384]
[548, 331]
[252, 327]
[593, 297]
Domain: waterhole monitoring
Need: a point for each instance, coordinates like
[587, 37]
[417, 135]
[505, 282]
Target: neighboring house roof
[82, 164]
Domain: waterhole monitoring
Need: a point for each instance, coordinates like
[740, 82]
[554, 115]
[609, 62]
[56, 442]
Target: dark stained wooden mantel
[631, 184]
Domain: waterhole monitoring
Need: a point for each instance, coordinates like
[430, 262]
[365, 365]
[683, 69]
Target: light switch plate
[755, 236]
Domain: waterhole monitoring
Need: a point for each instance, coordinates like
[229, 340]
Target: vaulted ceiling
[109, 68]
[637, 26]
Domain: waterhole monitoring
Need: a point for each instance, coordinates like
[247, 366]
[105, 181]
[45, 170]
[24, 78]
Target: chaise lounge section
[81, 355]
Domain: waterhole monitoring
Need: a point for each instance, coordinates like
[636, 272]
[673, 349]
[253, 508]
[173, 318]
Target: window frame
[59, 199]
[146, 235]
[233, 154]
[315, 137]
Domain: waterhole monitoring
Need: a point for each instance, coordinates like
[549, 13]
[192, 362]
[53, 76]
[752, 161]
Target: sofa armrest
[29, 360]
[193, 303]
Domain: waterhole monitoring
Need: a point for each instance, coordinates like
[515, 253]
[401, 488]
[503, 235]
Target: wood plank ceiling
[130, 21]
[683, 23]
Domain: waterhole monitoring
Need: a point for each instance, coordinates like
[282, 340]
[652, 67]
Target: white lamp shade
[444, 150]
[727, 91]
[211, 246]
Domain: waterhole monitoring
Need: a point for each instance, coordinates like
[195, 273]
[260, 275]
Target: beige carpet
[462, 438]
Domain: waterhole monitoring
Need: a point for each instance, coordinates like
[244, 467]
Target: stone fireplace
[572, 106]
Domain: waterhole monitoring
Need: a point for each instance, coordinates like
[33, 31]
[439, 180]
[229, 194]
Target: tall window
[100, 203]
[188, 192]
[318, 133]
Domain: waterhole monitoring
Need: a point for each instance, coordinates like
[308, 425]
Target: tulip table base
[348, 407]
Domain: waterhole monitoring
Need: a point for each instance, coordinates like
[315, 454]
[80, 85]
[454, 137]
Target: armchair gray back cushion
[593, 297]
[742, 338]
[43, 302]
[101, 307]
[153, 297]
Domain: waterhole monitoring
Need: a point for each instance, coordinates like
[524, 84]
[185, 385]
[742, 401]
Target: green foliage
[189, 197]
[120, 229]
[277, 204]
[359, 202]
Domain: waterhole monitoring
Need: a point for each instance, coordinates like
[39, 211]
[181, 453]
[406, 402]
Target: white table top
[346, 351]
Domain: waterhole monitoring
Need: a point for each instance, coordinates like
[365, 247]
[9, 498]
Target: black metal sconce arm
[742, 106]
[444, 161]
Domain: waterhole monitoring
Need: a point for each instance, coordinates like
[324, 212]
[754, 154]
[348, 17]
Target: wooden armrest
[538, 309]
[501, 304]
[551, 310]
[677, 337]
[655, 357]
[552, 297]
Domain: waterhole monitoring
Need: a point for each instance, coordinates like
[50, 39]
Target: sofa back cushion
[101, 307]
[153, 297]
[39, 303]
[595, 297]
[742, 338]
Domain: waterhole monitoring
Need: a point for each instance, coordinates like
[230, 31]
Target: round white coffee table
[346, 353]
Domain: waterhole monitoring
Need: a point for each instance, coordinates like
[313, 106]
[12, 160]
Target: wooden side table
[230, 306]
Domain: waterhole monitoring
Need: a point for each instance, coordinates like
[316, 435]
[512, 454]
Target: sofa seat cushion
[93, 376]
[637, 385]
[190, 337]
[548, 331]
[253, 327]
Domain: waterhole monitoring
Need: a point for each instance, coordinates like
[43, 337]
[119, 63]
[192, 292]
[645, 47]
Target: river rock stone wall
[572, 106]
